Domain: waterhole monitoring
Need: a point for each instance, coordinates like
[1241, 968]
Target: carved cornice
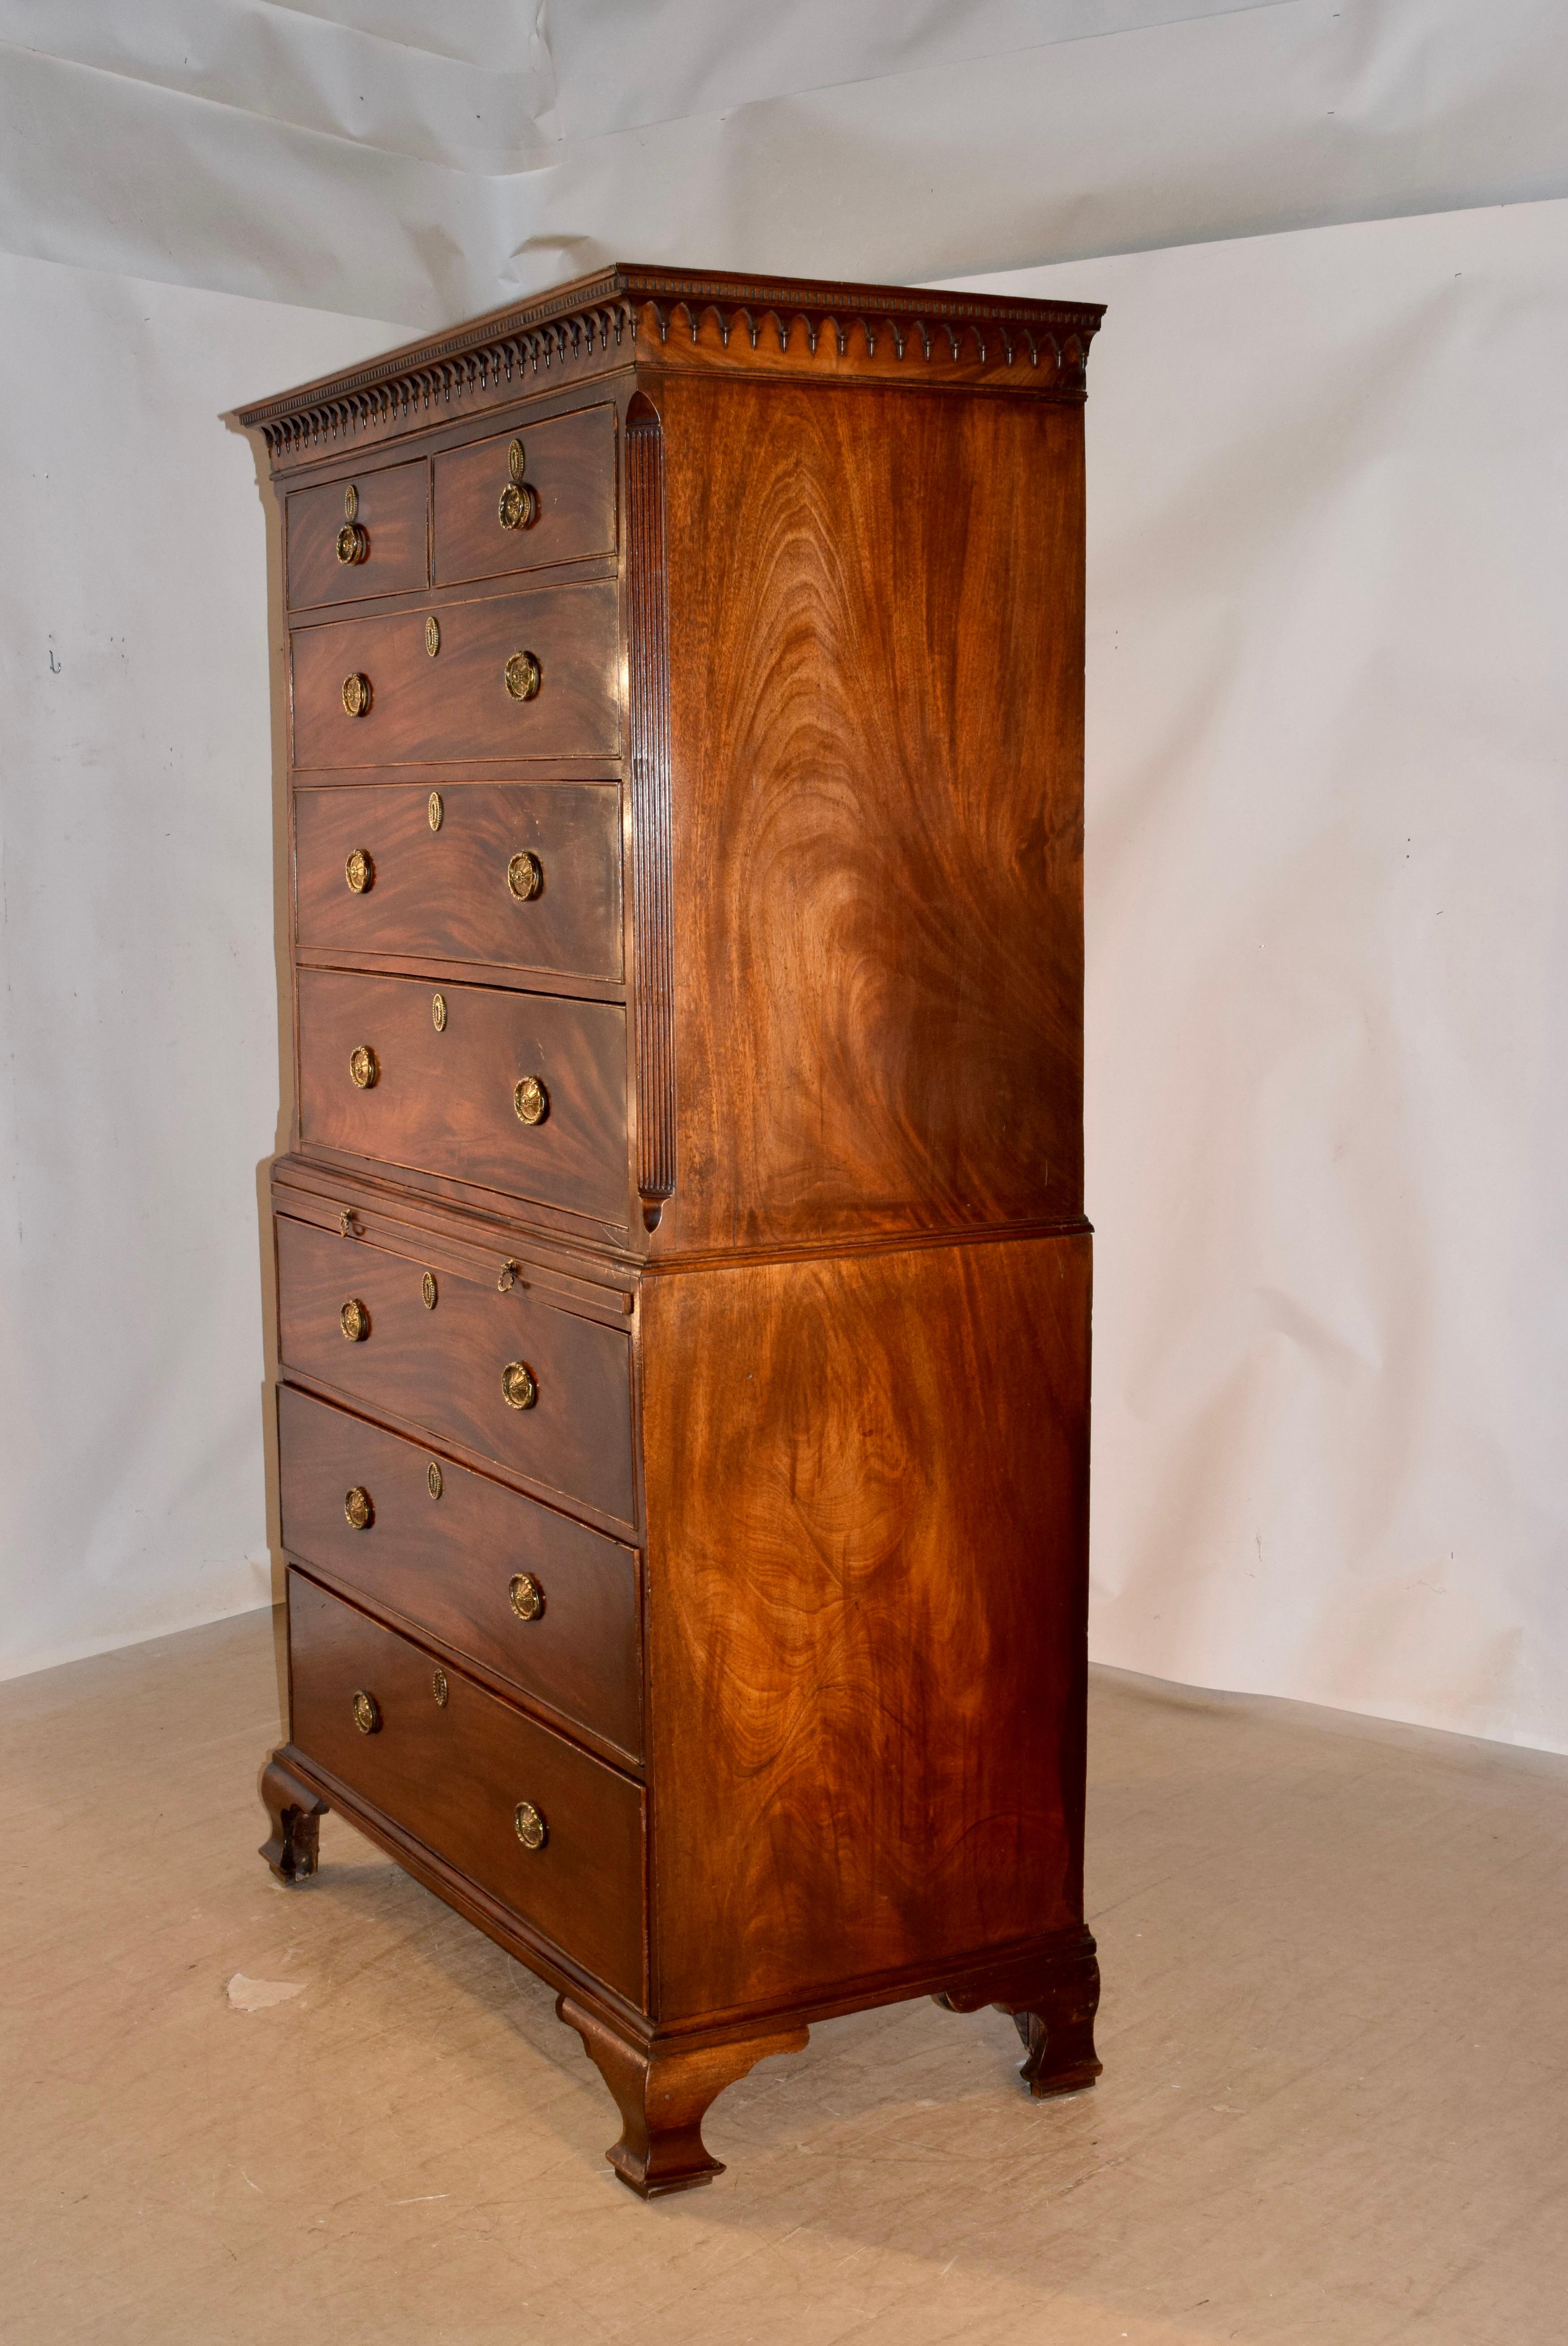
[680, 319]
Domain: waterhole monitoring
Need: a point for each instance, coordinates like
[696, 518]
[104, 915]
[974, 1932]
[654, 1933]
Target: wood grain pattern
[442, 1370]
[445, 1562]
[457, 706]
[876, 737]
[442, 1101]
[570, 463]
[452, 1774]
[867, 1516]
[442, 895]
[392, 509]
[649, 693]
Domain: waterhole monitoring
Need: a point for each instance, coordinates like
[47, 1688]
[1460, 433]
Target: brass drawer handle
[355, 1320]
[364, 1066]
[524, 876]
[357, 1507]
[359, 870]
[518, 1386]
[519, 505]
[356, 694]
[531, 1100]
[353, 543]
[367, 1713]
[529, 1825]
[522, 674]
[527, 1596]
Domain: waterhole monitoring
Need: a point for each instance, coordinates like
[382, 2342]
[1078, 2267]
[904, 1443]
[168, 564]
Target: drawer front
[444, 1100]
[390, 552]
[440, 1367]
[444, 1549]
[456, 704]
[462, 893]
[569, 465]
[452, 1774]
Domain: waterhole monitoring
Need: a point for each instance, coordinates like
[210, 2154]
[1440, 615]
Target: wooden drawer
[440, 1367]
[453, 1773]
[391, 514]
[444, 1101]
[456, 705]
[444, 895]
[568, 462]
[441, 1548]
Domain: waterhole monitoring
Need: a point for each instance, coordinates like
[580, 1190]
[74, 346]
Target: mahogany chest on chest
[683, 1283]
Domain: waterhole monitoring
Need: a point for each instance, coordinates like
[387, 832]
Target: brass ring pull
[527, 1596]
[511, 1272]
[530, 1100]
[356, 694]
[523, 673]
[365, 1067]
[529, 1825]
[367, 1713]
[357, 1507]
[353, 543]
[355, 1320]
[359, 870]
[519, 505]
[517, 1385]
[524, 876]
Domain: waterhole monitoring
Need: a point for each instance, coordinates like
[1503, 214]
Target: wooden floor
[1335, 2106]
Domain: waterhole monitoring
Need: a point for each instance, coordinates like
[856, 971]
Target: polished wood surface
[877, 744]
[444, 1099]
[794, 1274]
[569, 462]
[443, 1554]
[453, 1773]
[441, 1370]
[867, 1510]
[392, 506]
[456, 705]
[442, 895]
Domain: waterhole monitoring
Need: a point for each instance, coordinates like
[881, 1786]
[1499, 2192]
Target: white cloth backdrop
[1326, 934]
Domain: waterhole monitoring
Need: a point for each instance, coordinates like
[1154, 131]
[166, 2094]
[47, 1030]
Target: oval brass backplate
[439, 1687]
[355, 1320]
[524, 876]
[427, 1290]
[432, 634]
[434, 1480]
[435, 810]
[529, 1825]
[518, 1386]
[359, 870]
[357, 1507]
[438, 1013]
[530, 1101]
[367, 1712]
[364, 1066]
[517, 462]
[527, 1596]
[523, 676]
[356, 694]
[350, 503]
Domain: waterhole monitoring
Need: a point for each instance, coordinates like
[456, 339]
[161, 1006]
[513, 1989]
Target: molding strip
[652, 875]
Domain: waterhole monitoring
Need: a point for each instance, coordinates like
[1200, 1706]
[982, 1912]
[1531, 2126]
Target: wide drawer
[443, 1073]
[367, 533]
[369, 692]
[544, 1602]
[545, 492]
[454, 1766]
[521, 875]
[441, 1363]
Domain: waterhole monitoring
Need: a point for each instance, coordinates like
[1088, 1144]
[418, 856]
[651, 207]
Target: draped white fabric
[1327, 699]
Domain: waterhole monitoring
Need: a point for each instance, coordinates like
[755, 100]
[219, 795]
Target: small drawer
[365, 534]
[438, 1079]
[543, 492]
[525, 875]
[544, 1602]
[518, 676]
[469, 1775]
[441, 1363]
